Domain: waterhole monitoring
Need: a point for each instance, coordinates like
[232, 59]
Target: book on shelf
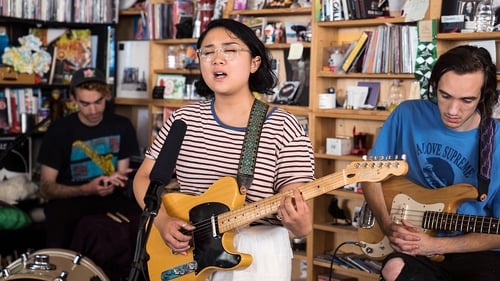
[71, 51]
[373, 91]
[132, 69]
[4, 111]
[174, 85]
[257, 24]
[355, 51]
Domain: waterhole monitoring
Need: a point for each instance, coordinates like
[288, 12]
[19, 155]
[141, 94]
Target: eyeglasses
[228, 52]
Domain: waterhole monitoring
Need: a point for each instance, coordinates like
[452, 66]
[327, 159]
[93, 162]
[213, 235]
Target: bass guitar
[221, 210]
[431, 209]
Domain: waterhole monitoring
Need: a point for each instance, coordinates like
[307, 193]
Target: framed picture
[467, 9]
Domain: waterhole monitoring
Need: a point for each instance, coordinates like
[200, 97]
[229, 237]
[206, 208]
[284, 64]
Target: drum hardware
[53, 265]
[41, 262]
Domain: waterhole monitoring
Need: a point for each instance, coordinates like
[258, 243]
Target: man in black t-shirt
[85, 172]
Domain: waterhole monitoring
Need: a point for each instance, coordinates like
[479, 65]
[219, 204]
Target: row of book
[72, 49]
[333, 10]
[19, 106]
[80, 11]
[353, 261]
[168, 20]
[387, 49]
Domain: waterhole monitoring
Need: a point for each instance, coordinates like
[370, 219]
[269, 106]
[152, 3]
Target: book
[295, 31]
[257, 24]
[4, 111]
[71, 51]
[174, 85]
[373, 91]
[352, 55]
[132, 69]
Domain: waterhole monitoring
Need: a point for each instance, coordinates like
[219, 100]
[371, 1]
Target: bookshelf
[323, 123]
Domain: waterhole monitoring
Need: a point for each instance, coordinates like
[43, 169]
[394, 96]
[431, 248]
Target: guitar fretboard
[459, 222]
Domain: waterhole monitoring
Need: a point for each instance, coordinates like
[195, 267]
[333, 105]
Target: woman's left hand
[294, 212]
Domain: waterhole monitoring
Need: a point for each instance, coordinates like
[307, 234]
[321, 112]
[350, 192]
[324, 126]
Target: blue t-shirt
[437, 156]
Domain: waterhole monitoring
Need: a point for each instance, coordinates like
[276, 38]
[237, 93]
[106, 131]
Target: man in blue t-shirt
[441, 138]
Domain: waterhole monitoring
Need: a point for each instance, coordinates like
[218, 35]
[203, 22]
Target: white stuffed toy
[17, 188]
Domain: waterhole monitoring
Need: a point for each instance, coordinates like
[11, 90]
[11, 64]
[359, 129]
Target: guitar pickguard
[405, 208]
[207, 243]
[408, 201]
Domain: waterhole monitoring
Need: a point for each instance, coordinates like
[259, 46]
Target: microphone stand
[21, 138]
[153, 203]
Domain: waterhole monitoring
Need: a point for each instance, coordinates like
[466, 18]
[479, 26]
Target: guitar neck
[458, 222]
[268, 206]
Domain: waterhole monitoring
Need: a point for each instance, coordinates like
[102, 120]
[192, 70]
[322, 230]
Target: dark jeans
[82, 225]
[484, 266]
[63, 215]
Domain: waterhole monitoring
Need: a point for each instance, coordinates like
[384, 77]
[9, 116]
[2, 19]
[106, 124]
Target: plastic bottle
[181, 57]
[484, 16]
[396, 94]
[171, 57]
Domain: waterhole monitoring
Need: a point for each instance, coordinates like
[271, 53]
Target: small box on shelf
[338, 145]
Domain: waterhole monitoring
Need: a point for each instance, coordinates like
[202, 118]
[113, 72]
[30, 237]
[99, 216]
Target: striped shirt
[212, 150]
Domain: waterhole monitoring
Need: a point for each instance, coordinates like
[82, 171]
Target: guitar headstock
[375, 170]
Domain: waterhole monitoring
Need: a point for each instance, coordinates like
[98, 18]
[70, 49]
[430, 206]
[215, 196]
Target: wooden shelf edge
[177, 71]
[172, 41]
[132, 101]
[352, 75]
[131, 12]
[362, 22]
[346, 271]
[358, 114]
[278, 11]
[337, 157]
[456, 36]
[335, 228]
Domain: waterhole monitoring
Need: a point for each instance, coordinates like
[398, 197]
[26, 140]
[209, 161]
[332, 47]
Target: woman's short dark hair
[263, 80]
[468, 59]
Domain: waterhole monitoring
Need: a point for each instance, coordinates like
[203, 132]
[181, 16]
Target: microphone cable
[332, 260]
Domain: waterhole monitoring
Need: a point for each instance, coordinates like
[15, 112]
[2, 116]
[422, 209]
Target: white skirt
[271, 255]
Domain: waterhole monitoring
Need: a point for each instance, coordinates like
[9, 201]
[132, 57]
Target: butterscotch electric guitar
[431, 209]
[219, 211]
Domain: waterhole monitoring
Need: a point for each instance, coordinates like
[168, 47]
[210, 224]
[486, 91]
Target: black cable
[334, 254]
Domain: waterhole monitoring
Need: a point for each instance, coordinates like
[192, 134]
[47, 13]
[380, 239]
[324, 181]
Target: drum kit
[53, 265]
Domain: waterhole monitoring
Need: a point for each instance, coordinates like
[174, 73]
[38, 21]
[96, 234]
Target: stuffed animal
[17, 188]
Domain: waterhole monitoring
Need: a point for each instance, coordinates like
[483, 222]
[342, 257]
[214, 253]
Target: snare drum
[53, 265]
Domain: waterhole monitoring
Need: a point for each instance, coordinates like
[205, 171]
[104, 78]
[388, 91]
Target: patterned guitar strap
[250, 145]
[487, 132]
[426, 54]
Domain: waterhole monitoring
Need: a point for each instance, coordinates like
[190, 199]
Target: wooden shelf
[468, 36]
[358, 114]
[177, 71]
[329, 74]
[273, 12]
[360, 22]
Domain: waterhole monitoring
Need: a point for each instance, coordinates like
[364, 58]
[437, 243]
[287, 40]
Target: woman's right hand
[176, 233]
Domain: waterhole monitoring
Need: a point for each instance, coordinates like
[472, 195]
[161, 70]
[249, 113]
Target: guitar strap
[250, 145]
[486, 131]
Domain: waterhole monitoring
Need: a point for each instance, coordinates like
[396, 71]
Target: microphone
[163, 169]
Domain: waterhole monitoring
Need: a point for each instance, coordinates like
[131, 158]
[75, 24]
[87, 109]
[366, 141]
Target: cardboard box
[339, 145]
[336, 277]
[11, 77]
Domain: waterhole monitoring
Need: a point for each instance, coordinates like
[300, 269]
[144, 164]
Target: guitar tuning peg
[364, 157]
[388, 157]
[403, 157]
